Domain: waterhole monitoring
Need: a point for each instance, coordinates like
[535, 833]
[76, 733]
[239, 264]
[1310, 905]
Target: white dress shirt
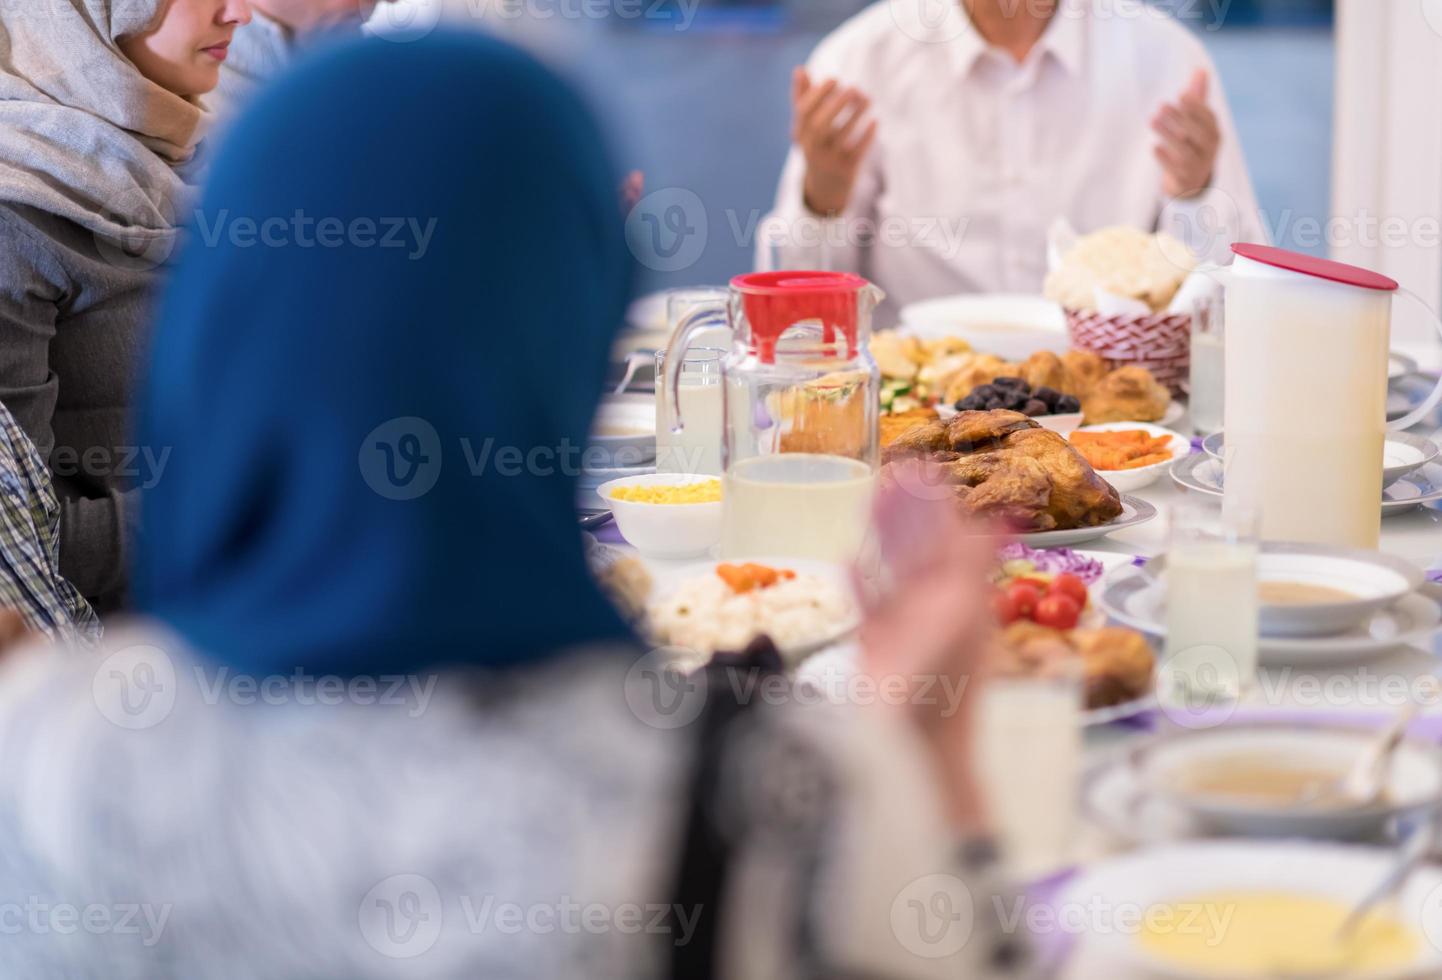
[976, 155]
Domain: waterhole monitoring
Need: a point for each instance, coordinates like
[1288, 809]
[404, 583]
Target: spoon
[1363, 784]
[634, 360]
[1413, 853]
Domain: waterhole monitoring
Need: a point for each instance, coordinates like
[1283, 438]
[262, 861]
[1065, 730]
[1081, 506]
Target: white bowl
[623, 434]
[1011, 326]
[1130, 481]
[1402, 453]
[1104, 900]
[1376, 580]
[664, 530]
[1414, 781]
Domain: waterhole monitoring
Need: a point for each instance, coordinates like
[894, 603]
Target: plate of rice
[802, 605]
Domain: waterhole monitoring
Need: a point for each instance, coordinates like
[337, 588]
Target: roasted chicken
[1005, 466]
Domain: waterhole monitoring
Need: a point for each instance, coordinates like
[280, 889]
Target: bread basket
[1159, 342]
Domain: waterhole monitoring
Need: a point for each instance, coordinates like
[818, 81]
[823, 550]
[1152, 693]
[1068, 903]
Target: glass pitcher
[800, 402]
[1306, 391]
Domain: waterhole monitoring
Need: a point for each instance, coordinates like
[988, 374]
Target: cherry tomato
[1058, 612]
[1070, 586]
[1004, 608]
[1024, 596]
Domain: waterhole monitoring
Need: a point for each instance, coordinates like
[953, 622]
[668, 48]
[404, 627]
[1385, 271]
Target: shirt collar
[1064, 38]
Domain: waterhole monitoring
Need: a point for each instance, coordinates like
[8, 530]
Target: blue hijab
[375, 367]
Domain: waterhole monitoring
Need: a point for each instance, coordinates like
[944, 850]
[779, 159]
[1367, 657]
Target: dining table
[1362, 693]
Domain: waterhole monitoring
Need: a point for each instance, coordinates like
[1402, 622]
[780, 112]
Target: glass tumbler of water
[1207, 387]
[1210, 659]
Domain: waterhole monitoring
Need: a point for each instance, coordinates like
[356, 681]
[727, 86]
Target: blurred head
[304, 16]
[374, 460]
[182, 51]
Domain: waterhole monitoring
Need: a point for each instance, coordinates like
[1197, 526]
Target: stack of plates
[1409, 479]
[623, 443]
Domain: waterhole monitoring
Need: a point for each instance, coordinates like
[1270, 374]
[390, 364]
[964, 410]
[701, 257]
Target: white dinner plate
[1402, 453]
[1135, 599]
[1145, 883]
[667, 578]
[1135, 511]
[1011, 326]
[1202, 473]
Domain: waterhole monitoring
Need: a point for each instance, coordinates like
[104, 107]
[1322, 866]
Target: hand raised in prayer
[827, 125]
[1190, 138]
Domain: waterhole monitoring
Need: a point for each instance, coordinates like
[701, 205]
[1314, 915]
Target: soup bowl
[1363, 583]
[1246, 779]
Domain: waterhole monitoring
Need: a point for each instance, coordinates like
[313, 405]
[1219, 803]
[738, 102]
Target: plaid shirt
[30, 579]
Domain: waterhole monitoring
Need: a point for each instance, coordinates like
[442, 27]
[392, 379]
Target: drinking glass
[697, 448]
[1207, 387]
[1210, 656]
[1029, 761]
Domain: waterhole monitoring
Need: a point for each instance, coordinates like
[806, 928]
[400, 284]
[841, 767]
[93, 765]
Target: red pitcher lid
[774, 301]
[1310, 265]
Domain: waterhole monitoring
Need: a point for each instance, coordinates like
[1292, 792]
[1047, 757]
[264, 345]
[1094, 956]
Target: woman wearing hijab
[379, 721]
[99, 111]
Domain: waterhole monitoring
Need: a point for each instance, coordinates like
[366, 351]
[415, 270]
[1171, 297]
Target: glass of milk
[1207, 385]
[1029, 763]
[695, 449]
[1210, 657]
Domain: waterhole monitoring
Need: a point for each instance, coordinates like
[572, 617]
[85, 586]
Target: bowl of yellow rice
[666, 515]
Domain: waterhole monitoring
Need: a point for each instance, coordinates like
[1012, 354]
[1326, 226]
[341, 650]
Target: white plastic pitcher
[1306, 395]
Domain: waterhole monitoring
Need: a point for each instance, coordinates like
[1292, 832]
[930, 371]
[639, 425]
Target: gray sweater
[71, 328]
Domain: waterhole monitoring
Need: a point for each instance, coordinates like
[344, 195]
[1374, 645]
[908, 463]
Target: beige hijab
[82, 133]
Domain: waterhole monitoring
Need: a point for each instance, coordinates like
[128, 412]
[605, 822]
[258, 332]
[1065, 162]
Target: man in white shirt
[932, 158]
